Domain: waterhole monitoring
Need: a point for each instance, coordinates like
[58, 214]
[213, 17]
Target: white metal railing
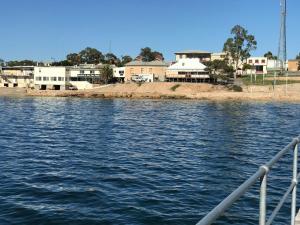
[262, 174]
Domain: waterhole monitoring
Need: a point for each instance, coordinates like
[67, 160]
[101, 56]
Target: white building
[187, 70]
[261, 65]
[119, 73]
[51, 78]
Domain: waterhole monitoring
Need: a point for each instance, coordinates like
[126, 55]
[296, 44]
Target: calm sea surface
[91, 161]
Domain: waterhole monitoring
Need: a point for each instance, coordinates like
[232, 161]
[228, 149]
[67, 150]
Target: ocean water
[94, 161]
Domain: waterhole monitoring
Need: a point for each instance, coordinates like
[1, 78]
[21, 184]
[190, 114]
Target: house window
[263, 61]
[183, 64]
[81, 71]
[256, 61]
[92, 72]
[45, 78]
[250, 61]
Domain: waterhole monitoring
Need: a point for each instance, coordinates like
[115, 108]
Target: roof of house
[188, 64]
[193, 52]
[152, 63]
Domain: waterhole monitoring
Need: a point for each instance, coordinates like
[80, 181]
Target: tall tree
[126, 59]
[239, 46]
[147, 55]
[270, 55]
[298, 56]
[111, 59]
[106, 73]
[91, 56]
[74, 59]
[62, 63]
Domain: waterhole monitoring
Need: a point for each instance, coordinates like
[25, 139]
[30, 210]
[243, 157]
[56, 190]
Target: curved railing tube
[261, 174]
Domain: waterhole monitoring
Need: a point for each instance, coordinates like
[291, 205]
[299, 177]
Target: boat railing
[262, 175]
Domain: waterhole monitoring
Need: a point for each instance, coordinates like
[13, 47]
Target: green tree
[126, 59]
[218, 66]
[2, 62]
[111, 59]
[91, 56]
[106, 74]
[73, 59]
[239, 46]
[25, 62]
[270, 55]
[147, 55]
[62, 63]
[298, 56]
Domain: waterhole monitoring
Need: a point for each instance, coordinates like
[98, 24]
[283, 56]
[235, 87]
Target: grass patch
[260, 81]
[175, 87]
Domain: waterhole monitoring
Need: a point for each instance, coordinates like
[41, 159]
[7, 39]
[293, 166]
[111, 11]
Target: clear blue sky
[45, 29]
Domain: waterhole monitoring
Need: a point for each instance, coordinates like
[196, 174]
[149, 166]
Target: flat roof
[152, 63]
[193, 52]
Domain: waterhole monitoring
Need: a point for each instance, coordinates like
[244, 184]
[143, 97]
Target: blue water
[93, 161]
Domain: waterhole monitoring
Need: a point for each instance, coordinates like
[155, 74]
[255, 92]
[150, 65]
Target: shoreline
[188, 91]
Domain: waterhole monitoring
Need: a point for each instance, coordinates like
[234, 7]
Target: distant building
[203, 56]
[156, 68]
[17, 76]
[293, 65]
[187, 70]
[85, 76]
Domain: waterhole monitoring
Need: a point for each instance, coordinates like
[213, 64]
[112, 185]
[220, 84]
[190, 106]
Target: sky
[46, 30]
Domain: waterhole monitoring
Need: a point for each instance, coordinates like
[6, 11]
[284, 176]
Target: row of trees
[94, 56]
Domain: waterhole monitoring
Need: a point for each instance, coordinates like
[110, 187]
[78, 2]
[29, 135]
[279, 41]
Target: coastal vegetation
[239, 46]
[175, 87]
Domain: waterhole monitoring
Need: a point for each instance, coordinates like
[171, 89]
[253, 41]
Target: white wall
[50, 76]
[119, 72]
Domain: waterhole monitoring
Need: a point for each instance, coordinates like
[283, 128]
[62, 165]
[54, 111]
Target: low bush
[175, 87]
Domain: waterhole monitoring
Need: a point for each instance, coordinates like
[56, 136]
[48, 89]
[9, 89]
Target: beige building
[293, 65]
[218, 56]
[17, 76]
[156, 68]
[203, 56]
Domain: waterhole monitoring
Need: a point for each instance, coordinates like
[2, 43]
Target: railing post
[263, 197]
[294, 194]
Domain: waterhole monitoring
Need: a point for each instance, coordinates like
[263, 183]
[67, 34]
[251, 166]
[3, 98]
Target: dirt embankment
[182, 91]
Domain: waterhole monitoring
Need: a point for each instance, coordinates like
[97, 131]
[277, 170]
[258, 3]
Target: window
[81, 72]
[45, 78]
[183, 64]
[53, 78]
[38, 78]
[256, 61]
[250, 61]
[263, 61]
[61, 78]
[92, 72]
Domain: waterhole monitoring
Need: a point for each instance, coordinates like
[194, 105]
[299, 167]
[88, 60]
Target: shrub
[235, 88]
[175, 87]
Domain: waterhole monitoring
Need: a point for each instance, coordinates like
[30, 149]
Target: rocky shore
[182, 91]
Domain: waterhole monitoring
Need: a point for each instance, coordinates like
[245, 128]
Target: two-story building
[51, 78]
[261, 65]
[17, 76]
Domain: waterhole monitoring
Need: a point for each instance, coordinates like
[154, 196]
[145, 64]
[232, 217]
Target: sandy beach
[183, 91]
